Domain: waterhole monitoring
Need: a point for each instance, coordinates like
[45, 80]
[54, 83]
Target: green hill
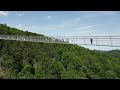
[31, 60]
[113, 53]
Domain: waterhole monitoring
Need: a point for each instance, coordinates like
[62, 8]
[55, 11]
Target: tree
[110, 75]
[56, 69]
[26, 73]
[39, 72]
[70, 75]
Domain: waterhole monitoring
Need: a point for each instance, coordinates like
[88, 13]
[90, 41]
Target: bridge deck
[112, 41]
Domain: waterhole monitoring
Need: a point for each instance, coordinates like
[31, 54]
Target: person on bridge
[91, 40]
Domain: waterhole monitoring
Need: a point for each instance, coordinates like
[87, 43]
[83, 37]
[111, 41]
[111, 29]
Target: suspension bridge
[112, 41]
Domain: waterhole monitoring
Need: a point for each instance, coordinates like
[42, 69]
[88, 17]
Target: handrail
[77, 40]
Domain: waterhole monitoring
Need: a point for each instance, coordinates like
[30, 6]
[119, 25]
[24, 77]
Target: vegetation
[113, 53]
[31, 60]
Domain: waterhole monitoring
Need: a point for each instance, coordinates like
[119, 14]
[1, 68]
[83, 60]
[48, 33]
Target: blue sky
[64, 23]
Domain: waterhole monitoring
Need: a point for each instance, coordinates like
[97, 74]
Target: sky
[65, 23]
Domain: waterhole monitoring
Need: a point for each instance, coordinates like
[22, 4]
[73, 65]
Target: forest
[113, 53]
[35, 60]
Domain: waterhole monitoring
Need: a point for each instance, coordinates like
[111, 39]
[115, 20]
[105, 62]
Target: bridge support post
[96, 40]
[111, 41]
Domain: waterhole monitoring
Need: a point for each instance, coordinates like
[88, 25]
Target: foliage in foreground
[30, 60]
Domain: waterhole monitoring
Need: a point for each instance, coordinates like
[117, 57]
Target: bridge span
[112, 41]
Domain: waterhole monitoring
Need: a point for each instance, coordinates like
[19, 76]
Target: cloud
[80, 30]
[67, 27]
[72, 22]
[76, 20]
[86, 27]
[19, 25]
[49, 17]
[3, 13]
[61, 26]
[90, 14]
[19, 14]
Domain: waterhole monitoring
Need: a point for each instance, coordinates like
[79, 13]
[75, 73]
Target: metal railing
[113, 41]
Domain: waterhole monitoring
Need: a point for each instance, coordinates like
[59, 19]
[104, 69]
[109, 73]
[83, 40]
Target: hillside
[113, 53]
[30, 60]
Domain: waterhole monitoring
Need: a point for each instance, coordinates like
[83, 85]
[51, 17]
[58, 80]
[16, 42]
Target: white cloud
[71, 23]
[49, 17]
[90, 14]
[19, 25]
[3, 13]
[68, 27]
[86, 27]
[76, 20]
[61, 26]
[19, 14]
